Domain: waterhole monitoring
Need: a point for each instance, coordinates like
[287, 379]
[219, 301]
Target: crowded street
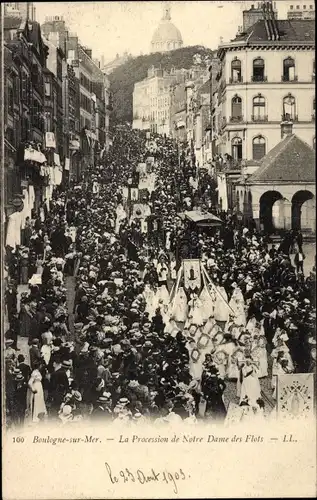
[118, 307]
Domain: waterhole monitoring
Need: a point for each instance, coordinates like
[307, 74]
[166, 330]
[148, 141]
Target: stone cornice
[266, 46]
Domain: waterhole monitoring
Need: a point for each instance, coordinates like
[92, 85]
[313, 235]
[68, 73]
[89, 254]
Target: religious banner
[192, 274]
[295, 395]
[141, 168]
[134, 192]
[141, 211]
[234, 414]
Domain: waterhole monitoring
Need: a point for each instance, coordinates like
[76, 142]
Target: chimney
[286, 129]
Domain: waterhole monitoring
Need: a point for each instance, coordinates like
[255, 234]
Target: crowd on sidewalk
[131, 356]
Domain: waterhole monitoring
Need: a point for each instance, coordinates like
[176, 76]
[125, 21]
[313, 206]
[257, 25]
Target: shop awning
[57, 160]
[34, 155]
[201, 218]
[180, 124]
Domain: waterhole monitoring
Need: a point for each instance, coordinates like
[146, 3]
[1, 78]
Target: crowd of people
[114, 334]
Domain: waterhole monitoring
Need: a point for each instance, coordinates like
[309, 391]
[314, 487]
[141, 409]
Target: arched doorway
[303, 211]
[267, 201]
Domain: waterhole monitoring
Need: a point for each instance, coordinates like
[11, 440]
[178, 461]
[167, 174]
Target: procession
[125, 323]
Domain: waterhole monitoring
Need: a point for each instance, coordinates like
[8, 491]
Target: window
[289, 108]
[10, 100]
[258, 70]
[236, 108]
[71, 54]
[297, 7]
[314, 142]
[236, 71]
[258, 147]
[259, 109]
[314, 70]
[314, 110]
[292, 7]
[288, 70]
[236, 148]
[304, 7]
[47, 89]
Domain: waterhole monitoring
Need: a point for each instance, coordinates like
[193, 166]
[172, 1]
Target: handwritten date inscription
[143, 477]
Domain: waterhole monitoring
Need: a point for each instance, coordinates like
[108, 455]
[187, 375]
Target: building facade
[266, 75]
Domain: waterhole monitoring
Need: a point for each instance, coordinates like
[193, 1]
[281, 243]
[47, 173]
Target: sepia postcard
[158, 243]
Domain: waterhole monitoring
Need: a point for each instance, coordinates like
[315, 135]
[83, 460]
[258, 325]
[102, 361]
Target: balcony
[236, 119]
[287, 118]
[286, 78]
[236, 79]
[258, 78]
[256, 118]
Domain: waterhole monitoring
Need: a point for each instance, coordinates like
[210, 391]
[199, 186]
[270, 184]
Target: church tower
[166, 36]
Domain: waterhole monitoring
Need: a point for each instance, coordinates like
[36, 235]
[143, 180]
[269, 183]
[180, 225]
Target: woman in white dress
[195, 312]
[35, 398]
[250, 385]
[221, 309]
[180, 309]
[207, 304]
[259, 354]
[237, 304]
[149, 297]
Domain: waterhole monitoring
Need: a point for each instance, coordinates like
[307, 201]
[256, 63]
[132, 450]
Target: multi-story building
[22, 10]
[267, 75]
[26, 55]
[301, 10]
[54, 123]
[110, 66]
[71, 121]
[153, 99]
[94, 108]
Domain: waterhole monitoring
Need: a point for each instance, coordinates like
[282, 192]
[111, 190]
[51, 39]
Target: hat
[67, 363]
[35, 341]
[123, 401]
[9, 342]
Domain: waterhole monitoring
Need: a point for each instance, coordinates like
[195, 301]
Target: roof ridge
[260, 170]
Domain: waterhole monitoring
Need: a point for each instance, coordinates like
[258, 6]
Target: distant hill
[123, 78]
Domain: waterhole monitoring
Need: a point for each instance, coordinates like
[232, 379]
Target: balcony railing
[236, 79]
[256, 118]
[223, 122]
[258, 78]
[285, 78]
[287, 118]
[236, 119]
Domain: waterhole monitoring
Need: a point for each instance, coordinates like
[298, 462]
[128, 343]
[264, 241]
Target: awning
[57, 160]
[180, 124]
[201, 218]
[31, 154]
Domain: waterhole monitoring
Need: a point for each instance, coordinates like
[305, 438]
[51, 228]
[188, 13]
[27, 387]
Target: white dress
[163, 295]
[180, 309]
[237, 304]
[207, 309]
[195, 312]
[259, 354]
[221, 311]
[250, 386]
[150, 300]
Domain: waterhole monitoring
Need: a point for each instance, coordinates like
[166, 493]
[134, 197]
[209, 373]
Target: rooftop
[290, 30]
[291, 160]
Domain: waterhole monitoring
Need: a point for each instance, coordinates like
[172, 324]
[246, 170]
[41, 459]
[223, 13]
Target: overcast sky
[109, 28]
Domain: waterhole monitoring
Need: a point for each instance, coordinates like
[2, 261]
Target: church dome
[166, 36]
